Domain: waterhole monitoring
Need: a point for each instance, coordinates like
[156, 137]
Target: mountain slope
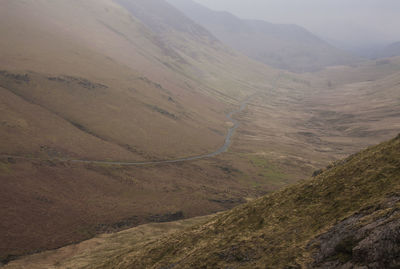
[126, 55]
[88, 75]
[94, 80]
[282, 46]
[278, 229]
[347, 215]
[205, 57]
[88, 80]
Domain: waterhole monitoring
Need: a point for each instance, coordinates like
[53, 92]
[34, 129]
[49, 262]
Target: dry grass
[273, 231]
[96, 251]
[90, 80]
[276, 229]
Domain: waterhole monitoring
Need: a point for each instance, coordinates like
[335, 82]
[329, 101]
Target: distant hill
[284, 46]
[347, 215]
[381, 51]
[391, 50]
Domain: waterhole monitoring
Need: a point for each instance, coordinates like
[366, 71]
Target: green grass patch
[5, 168]
[268, 170]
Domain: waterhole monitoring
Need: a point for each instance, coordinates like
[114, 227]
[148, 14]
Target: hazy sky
[350, 22]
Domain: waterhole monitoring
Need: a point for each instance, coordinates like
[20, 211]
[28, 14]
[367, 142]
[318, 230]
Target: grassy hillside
[97, 93]
[137, 80]
[205, 58]
[288, 47]
[97, 66]
[277, 229]
[357, 105]
[366, 71]
[89, 80]
[339, 217]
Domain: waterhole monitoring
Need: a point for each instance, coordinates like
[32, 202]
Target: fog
[346, 23]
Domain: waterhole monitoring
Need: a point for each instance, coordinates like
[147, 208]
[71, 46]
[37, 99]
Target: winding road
[222, 149]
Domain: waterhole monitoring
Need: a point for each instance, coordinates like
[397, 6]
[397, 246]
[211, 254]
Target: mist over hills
[113, 114]
[388, 51]
[391, 50]
[289, 47]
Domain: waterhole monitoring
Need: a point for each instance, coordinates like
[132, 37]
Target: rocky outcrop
[368, 239]
[82, 82]
[18, 78]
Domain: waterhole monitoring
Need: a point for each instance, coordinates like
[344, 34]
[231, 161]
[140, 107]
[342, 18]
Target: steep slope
[206, 58]
[289, 47]
[281, 229]
[80, 73]
[95, 80]
[348, 215]
[110, 54]
[88, 80]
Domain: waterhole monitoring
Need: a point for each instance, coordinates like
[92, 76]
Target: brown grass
[275, 231]
[91, 81]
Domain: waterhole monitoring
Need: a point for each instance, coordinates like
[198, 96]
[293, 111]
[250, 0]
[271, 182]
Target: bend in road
[222, 149]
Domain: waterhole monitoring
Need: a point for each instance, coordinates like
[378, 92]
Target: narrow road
[222, 149]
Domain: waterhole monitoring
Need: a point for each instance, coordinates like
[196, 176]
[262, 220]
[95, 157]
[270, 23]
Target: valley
[122, 121]
[269, 150]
